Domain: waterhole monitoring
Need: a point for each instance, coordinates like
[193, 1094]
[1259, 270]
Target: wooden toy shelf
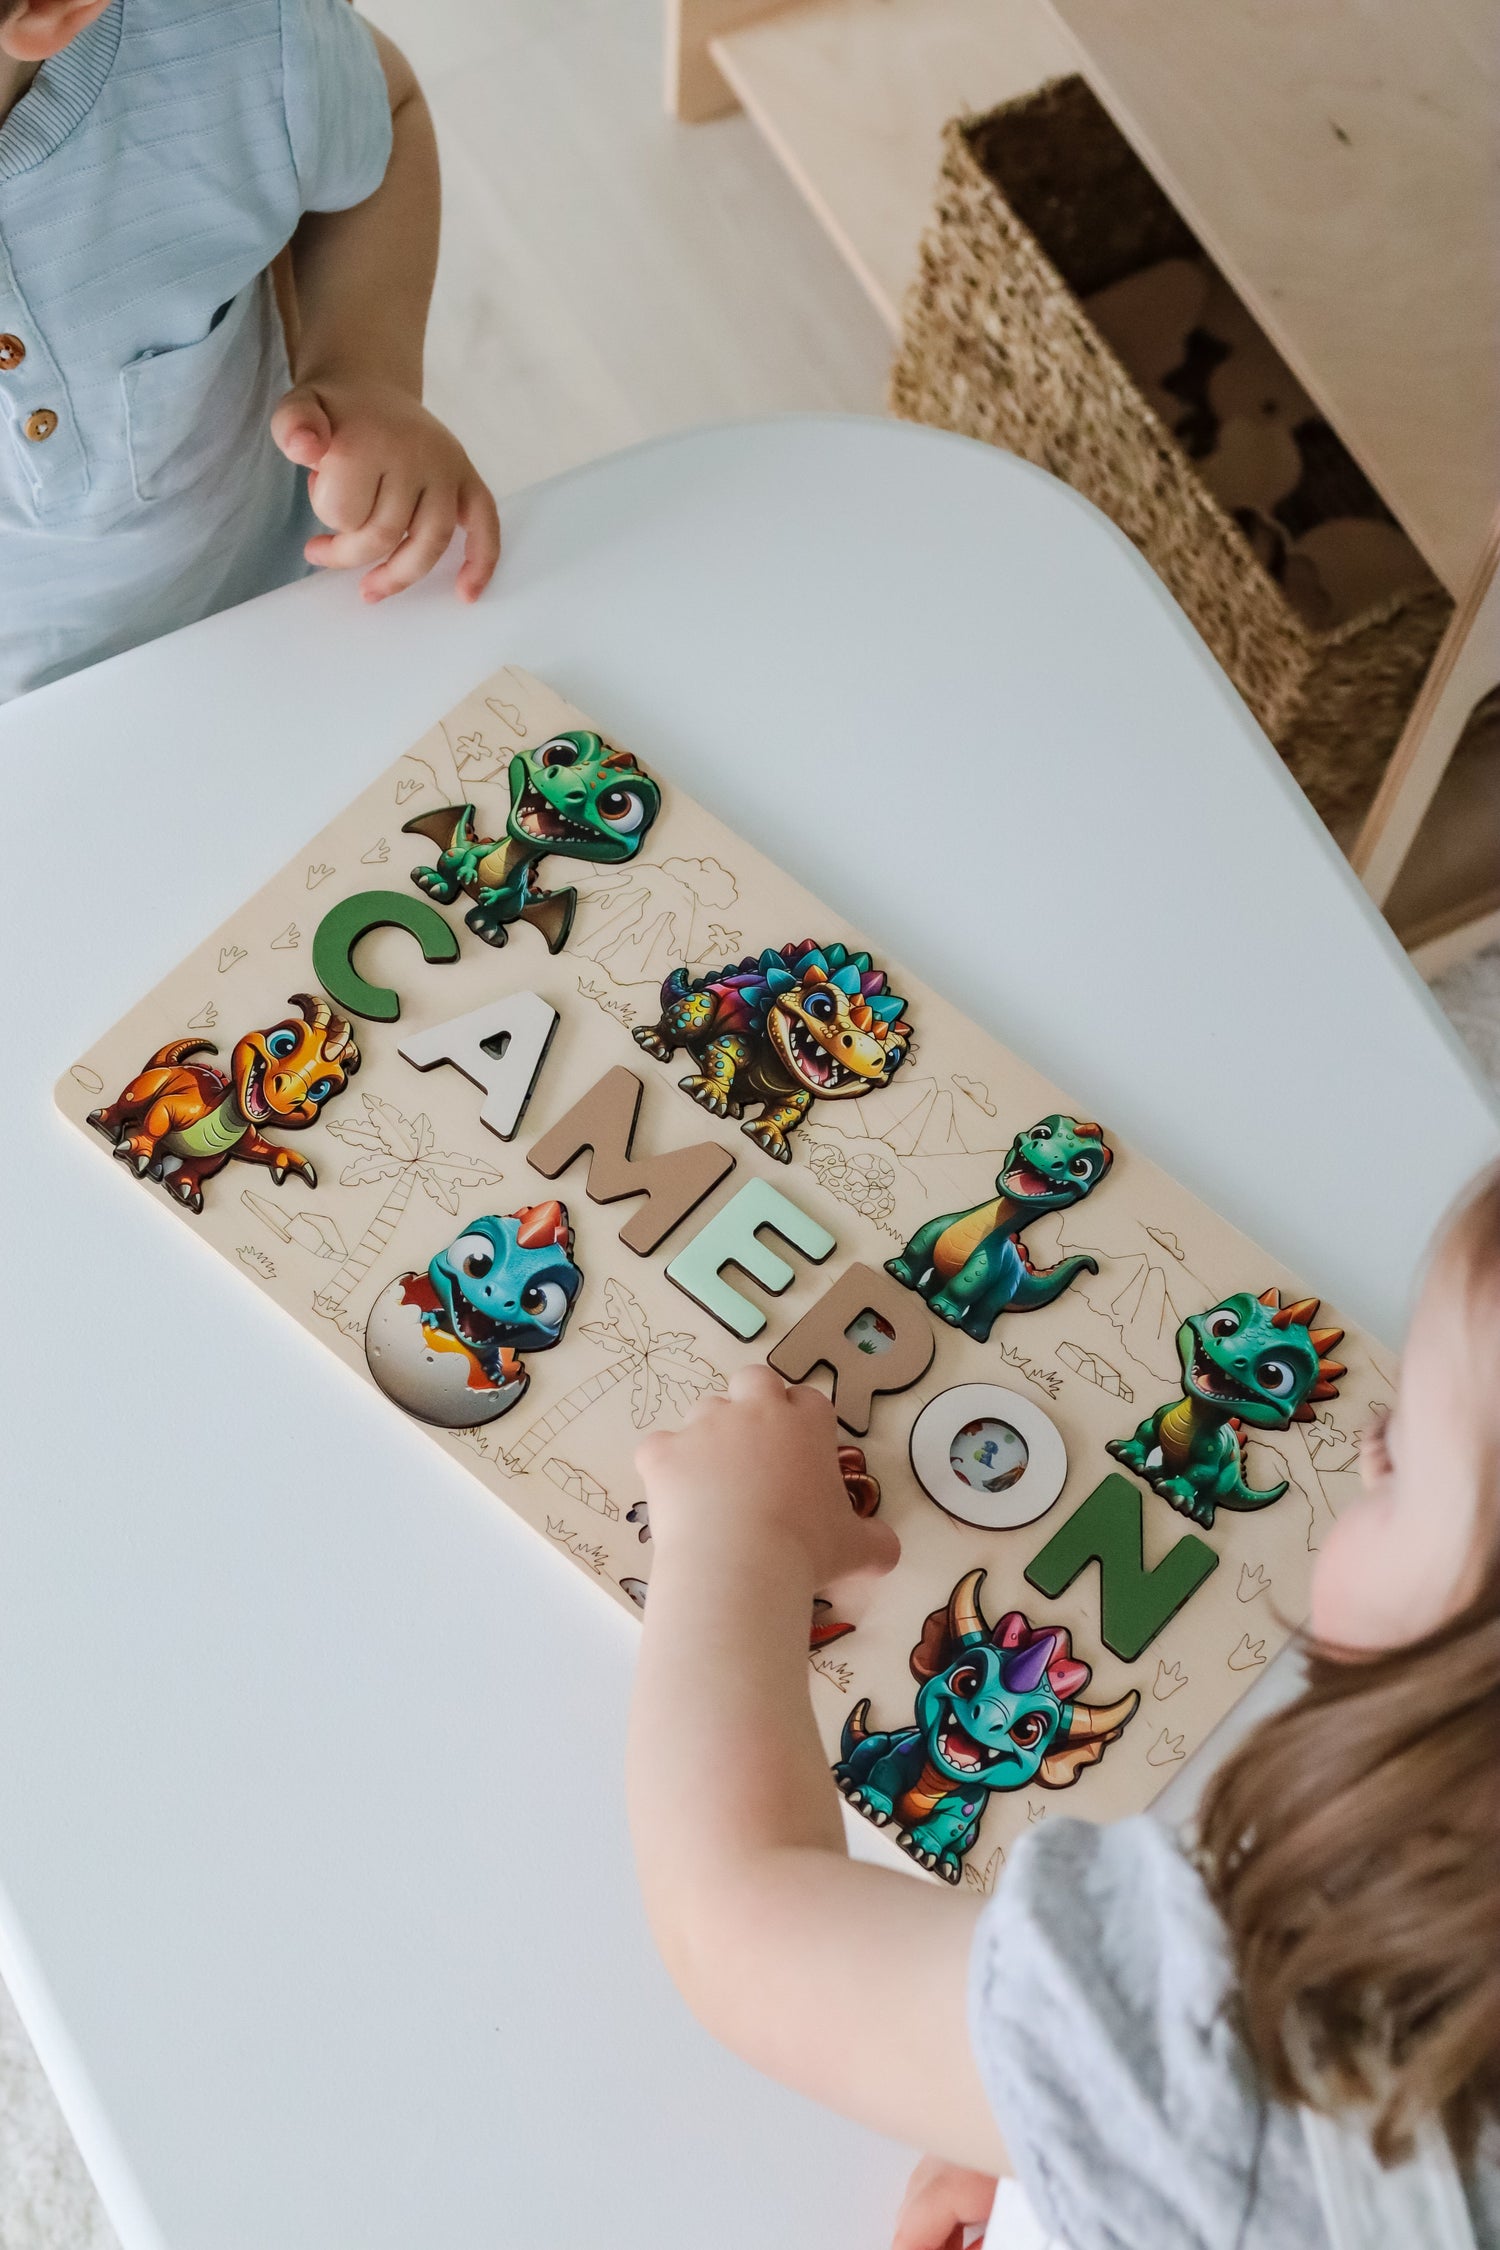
[1250, 119]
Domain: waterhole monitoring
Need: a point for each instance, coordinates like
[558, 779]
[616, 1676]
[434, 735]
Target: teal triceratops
[573, 796]
[972, 1265]
[1246, 1362]
[997, 1708]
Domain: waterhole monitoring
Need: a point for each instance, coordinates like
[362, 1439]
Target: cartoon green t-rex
[1246, 1361]
[971, 1266]
[574, 796]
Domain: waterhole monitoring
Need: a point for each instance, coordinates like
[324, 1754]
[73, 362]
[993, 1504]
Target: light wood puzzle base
[436, 1149]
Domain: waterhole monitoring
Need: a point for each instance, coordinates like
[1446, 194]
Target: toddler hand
[759, 1467]
[941, 2203]
[391, 484]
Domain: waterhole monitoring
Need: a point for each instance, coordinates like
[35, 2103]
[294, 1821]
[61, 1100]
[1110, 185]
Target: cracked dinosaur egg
[427, 1370]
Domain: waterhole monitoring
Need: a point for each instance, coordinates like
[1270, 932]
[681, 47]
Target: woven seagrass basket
[1041, 204]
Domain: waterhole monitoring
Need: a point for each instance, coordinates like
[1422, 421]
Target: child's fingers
[653, 1453]
[363, 543]
[300, 428]
[756, 1382]
[941, 2204]
[480, 519]
[346, 488]
[882, 1544]
[425, 543]
[373, 536]
[873, 1549]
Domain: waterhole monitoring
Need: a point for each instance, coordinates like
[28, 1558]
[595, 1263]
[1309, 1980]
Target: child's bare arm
[843, 1980]
[388, 479]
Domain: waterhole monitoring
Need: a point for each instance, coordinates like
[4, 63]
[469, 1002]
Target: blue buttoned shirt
[148, 177]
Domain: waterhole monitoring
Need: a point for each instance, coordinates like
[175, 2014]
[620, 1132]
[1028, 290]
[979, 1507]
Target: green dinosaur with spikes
[1246, 1362]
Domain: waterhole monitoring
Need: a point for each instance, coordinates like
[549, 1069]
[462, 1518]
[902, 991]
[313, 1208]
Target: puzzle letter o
[988, 1456]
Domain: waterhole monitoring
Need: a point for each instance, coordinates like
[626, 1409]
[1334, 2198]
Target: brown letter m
[604, 1122]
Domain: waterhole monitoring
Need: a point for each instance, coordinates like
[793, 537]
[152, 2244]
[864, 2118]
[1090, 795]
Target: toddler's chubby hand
[942, 2202]
[757, 1469]
[391, 484]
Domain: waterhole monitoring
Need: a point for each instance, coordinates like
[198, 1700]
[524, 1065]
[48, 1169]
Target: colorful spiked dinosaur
[1248, 1362]
[997, 1708]
[808, 1023]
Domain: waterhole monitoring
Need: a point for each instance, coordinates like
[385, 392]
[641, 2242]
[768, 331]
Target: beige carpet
[1470, 998]
[47, 2201]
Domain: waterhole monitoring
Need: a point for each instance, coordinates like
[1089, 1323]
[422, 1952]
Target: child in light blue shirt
[158, 460]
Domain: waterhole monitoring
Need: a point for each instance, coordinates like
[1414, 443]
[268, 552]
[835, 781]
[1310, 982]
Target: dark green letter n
[1134, 1603]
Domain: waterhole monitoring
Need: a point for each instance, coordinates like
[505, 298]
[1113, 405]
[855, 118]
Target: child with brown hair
[1284, 2032]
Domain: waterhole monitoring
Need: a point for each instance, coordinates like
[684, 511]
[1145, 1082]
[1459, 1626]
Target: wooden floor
[607, 273]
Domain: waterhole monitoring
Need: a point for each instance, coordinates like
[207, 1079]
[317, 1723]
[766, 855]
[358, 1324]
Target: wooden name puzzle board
[544, 1103]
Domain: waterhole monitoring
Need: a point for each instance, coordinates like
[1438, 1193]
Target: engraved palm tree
[398, 1149]
[662, 1370]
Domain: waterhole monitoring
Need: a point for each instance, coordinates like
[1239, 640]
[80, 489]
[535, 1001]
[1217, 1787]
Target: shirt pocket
[187, 406]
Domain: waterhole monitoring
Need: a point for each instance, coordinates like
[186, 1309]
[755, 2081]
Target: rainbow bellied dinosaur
[180, 1122]
[972, 1265]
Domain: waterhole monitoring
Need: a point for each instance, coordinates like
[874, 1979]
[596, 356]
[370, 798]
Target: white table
[308, 1967]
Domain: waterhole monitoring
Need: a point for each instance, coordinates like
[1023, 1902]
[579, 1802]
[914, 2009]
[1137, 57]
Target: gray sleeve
[338, 111]
[1127, 2101]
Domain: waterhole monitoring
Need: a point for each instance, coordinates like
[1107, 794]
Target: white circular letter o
[1023, 1496]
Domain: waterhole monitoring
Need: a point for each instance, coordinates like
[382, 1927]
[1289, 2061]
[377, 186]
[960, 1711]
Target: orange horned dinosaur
[180, 1122]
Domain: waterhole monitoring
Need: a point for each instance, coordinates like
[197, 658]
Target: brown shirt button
[12, 352]
[41, 424]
